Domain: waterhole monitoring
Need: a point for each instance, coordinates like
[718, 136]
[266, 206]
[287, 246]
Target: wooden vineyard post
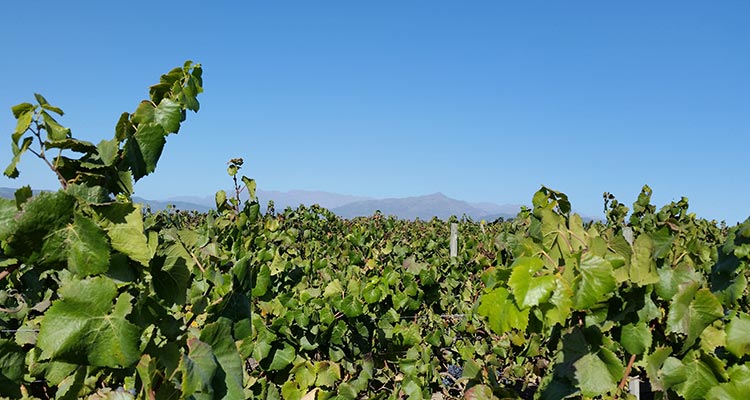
[634, 387]
[454, 240]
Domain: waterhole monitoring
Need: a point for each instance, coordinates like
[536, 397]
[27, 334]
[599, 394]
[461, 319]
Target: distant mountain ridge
[347, 206]
[425, 208]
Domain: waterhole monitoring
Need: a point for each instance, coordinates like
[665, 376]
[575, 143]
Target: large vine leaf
[38, 224]
[282, 357]
[642, 264]
[123, 223]
[654, 363]
[738, 335]
[11, 171]
[143, 150]
[84, 327]
[692, 379]
[198, 368]
[557, 310]
[528, 289]
[503, 313]
[12, 368]
[171, 274]
[595, 282]
[691, 311]
[168, 114]
[228, 380]
[593, 376]
[636, 338]
[738, 386]
[89, 249]
[24, 113]
[55, 131]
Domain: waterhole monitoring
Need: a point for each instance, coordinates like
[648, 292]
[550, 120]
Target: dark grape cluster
[504, 380]
[455, 371]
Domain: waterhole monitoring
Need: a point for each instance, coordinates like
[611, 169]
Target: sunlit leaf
[530, 290]
[85, 327]
[595, 282]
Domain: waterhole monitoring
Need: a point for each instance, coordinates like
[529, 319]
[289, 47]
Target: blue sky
[480, 100]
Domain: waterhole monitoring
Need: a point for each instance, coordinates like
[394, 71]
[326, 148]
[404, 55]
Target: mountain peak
[423, 207]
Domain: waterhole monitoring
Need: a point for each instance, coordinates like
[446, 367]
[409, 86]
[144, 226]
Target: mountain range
[346, 206]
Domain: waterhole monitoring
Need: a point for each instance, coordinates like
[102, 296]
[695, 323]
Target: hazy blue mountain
[7, 193]
[206, 201]
[157, 205]
[422, 207]
[294, 198]
[496, 209]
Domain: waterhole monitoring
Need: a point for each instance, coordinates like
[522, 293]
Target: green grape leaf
[22, 108]
[528, 289]
[654, 363]
[218, 335]
[691, 311]
[593, 376]
[150, 140]
[636, 338]
[333, 289]
[12, 368]
[108, 151]
[55, 131]
[560, 303]
[11, 171]
[35, 230]
[171, 278]
[691, 380]
[738, 386]
[221, 200]
[662, 242]
[251, 187]
[262, 281]
[282, 357]
[642, 265]
[88, 247]
[24, 113]
[671, 279]
[502, 312]
[168, 114]
[738, 335]
[40, 99]
[123, 223]
[80, 146]
[198, 368]
[595, 282]
[84, 327]
[144, 113]
[351, 306]
[124, 128]
[8, 211]
[327, 373]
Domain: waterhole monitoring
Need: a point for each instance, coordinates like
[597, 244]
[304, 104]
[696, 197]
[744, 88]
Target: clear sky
[480, 100]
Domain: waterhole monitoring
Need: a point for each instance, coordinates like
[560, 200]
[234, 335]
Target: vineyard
[100, 298]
